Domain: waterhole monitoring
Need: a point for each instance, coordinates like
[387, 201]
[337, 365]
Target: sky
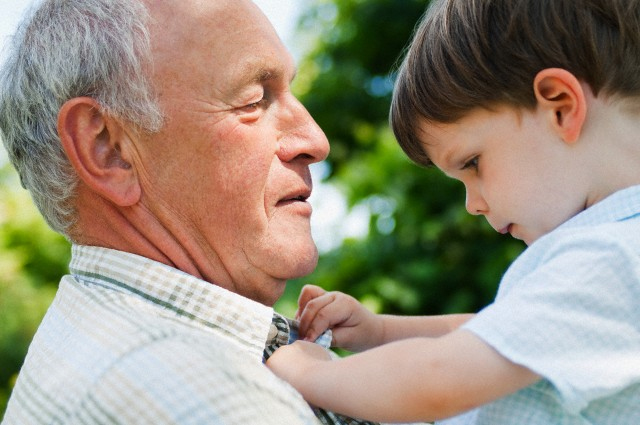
[331, 222]
[283, 15]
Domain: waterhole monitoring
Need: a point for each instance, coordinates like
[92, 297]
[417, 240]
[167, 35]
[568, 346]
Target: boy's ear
[560, 94]
[98, 148]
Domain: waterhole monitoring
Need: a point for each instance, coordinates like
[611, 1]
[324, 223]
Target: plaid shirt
[128, 340]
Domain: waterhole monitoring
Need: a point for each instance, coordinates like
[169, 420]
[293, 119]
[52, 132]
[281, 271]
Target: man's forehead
[224, 67]
[202, 18]
[164, 6]
[233, 40]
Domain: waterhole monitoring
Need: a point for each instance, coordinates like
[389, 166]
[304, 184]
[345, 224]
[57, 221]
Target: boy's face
[516, 170]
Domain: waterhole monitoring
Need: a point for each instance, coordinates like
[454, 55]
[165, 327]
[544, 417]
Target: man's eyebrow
[251, 73]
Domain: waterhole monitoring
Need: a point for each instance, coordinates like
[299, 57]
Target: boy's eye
[471, 164]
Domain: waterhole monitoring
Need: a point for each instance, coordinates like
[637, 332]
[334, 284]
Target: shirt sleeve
[573, 319]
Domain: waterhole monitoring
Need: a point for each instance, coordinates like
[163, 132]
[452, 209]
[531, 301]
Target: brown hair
[469, 54]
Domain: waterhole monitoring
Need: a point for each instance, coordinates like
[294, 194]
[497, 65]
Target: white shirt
[569, 309]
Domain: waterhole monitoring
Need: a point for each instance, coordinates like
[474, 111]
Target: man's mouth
[299, 196]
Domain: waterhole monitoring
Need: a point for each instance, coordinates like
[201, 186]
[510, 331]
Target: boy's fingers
[333, 310]
[308, 293]
[312, 323]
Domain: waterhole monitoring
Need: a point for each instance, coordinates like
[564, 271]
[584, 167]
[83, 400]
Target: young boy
[535, 106]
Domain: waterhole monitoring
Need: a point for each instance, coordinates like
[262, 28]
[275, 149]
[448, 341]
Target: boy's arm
[356, 329]
[403, 327]
[419, 379]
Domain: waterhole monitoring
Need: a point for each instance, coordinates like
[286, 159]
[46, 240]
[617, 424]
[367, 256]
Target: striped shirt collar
[246, 321]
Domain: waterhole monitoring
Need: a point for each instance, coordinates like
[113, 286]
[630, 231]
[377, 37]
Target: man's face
[228, 175]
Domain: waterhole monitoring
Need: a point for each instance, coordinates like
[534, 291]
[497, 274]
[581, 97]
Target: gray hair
[67, 49]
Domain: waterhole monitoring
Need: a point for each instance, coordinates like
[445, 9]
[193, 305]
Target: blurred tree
[32, 260]
[424, 254]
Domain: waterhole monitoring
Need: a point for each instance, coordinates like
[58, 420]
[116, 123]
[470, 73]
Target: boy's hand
[354, 327]
[293, 362]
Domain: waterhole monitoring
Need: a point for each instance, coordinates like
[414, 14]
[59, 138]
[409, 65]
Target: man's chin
[294, 260]
[278, 286]
[275, 293]
[307, 265]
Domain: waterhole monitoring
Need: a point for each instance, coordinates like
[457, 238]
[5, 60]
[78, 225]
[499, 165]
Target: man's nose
[303, 139]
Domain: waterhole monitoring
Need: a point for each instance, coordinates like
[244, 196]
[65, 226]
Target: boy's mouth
[506, 229]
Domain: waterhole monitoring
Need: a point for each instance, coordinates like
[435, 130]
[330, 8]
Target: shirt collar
[618, 206]
[284, 331]
[241, 319]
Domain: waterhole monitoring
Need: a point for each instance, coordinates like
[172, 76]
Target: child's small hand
[292, 362]
[354, 327]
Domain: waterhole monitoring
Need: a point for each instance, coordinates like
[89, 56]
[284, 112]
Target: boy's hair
[469, 54]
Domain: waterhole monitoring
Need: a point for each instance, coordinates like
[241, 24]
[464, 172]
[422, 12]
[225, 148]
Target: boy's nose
[475, 203]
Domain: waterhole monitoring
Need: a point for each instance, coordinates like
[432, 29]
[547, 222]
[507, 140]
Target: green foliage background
[423, 255]
[32, 260]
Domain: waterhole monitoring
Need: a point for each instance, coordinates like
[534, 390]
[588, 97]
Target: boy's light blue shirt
[569, 309]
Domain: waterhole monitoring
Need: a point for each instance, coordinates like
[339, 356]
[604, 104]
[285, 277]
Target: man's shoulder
[119, 324]
[96, 350]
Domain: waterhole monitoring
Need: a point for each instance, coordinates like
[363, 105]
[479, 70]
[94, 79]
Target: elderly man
[162, 139]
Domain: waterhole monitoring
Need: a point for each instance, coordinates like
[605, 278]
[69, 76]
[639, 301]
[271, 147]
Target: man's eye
[255, 105]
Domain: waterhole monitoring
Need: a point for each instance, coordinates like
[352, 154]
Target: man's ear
[560, 93]
[98, 148]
